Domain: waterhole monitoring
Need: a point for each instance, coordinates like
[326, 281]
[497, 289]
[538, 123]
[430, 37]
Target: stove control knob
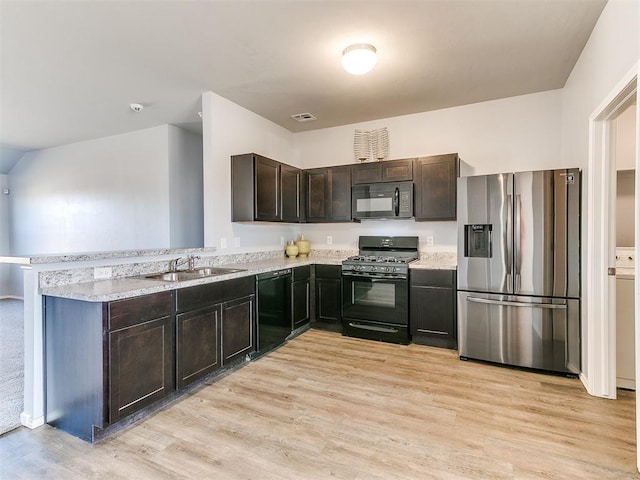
[395, 269]
[373, 268]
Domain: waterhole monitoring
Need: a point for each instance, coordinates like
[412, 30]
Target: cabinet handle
[277, 190]
[506, 303]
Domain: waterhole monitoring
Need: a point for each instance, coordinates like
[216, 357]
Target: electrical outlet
[429, 241]
[102, 272]
[329, 240]
[282, 241]
[236, 242]
[223, 242]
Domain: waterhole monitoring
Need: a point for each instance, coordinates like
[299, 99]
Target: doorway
[599, 324]
[625, 200]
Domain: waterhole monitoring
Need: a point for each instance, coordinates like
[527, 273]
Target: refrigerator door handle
[507, 303]
[508, 254]
[517, 258]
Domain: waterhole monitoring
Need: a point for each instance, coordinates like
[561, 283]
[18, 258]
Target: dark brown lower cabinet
[328, 297]
[238, 329]
[106, 361]
[432, 299]
[141, 366]
[301, 296]
[197, 344]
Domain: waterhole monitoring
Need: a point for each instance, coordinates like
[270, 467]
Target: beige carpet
[11, 363]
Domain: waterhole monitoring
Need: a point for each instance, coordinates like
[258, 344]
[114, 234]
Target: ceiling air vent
[303, 117]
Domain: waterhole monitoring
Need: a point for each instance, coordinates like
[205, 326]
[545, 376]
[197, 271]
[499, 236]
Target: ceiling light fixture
[359, 58]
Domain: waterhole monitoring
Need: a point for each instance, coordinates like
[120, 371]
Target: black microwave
[382, 200]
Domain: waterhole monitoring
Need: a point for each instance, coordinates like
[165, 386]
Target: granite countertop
[80, 257]
[128, 287]
[430, 264]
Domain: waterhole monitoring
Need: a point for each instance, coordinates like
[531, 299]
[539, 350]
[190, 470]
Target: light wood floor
[326, 406]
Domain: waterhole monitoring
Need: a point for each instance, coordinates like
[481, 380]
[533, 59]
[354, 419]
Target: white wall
[625, 208]
[111, 193]
[185, 182]
[229, 129]
[511, 134]
[626, 139]
[97, 195]
[613, 49]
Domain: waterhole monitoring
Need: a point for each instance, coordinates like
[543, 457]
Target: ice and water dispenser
[477, 240]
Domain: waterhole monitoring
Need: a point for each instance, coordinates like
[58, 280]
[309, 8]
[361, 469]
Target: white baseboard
[11, 297]
[29, 422]
[626, 383]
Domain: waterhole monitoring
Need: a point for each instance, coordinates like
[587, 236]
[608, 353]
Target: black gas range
[375, 289]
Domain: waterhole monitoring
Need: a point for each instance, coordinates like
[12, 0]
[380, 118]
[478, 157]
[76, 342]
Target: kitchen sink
[192, 274]
[210, 271]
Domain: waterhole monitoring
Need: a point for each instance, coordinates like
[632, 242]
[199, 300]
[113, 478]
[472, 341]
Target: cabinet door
[433, 308]
[328, 297]
[300, 302]
[238, 331]
[329, 303]
[435, 182]
[366, 173]
[432, 316]
[317, 194]
[267, 185]
[291, 193]
[141, 366]
[397, 170]
[197, 344]
[340, 194]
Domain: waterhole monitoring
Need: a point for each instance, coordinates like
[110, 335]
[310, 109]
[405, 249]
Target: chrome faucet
[176, 262]
[192, 261]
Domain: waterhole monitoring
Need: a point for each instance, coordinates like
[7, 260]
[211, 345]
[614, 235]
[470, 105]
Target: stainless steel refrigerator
[519, 269]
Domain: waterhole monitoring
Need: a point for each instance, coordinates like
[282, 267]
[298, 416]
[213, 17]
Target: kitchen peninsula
[152, 327]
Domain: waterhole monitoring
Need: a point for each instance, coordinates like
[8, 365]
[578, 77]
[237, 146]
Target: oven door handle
[375, 277]
[374, 328]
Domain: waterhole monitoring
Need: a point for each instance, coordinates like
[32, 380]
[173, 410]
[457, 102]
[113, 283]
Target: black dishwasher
[273, 308]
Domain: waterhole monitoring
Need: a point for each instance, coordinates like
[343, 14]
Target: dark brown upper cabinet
[328, 194]
[292, 194]
[265, 190]
[435, 180]
[389, 171]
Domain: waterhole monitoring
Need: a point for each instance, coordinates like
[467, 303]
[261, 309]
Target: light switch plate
[329, 240]
[223, 242]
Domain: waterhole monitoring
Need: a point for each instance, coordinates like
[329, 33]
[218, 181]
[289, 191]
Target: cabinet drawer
[301, 273]
[328, 271]
[433, 278]
[132, 311]
[201, 296]
[193, 298]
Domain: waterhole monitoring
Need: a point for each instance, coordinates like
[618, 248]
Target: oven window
[374, 204]
[373, 294]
